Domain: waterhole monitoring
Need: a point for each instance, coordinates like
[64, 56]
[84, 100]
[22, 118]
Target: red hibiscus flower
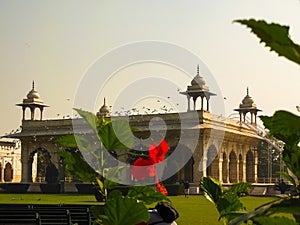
[161, 188]
[143, 168]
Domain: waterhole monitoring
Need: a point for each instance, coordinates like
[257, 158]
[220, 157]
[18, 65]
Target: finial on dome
[33, 85]
[247, 91]
[104, 101]
[198, 69]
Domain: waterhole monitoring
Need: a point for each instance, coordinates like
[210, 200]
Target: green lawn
[193, 210]
[47, 199]
[196, 210]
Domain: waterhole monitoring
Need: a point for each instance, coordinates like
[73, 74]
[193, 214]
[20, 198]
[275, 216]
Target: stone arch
[43, 158]
[250, 167]
[212, 162]
[241, 174]
[8, 172]
[225, 168]
[232, 167]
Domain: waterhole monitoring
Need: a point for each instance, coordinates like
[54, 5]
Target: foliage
[129, 209]
[286, 127]
[113, 135]
[282, 187]
[78, 167]
[227, 201]
[123, 210]
[283, 125]
[274, 36]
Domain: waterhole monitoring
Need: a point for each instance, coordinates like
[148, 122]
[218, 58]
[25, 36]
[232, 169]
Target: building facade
[224, 148]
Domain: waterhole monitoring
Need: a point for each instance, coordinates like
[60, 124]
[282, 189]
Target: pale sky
[56, 42]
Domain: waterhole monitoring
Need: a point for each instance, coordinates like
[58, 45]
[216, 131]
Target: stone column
[220, 169]
[25, 177]
[244, 169]
[204, 166]
[255, 164]
[189, 103]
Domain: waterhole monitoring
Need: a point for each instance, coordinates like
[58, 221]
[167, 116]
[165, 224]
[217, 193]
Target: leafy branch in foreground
[284, 126]
[275, 36]
[227, 201]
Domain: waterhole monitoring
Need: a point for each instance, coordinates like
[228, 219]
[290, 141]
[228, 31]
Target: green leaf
[77, 166]
[90, 118]
[289, 206]
[228, 206]
[276, 220]
[114, 194]
[124, 211]
[257, 212]
[275, 36]
[146, 194]
[97, 211]
[284, 126]
[116, 135]
[67, 141]
[211, 188]
[241, 187]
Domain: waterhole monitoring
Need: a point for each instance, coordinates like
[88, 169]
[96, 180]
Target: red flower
[143, 168]
[161, 188]
[157, 153]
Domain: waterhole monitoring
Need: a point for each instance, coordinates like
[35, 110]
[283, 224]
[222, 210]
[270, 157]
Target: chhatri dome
[32, 101]
[104, 110]
[248, 106]
[198, 83]
[33, 96]
[248, 101]
[197, 89]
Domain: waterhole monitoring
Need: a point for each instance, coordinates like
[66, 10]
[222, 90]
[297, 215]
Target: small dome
[248, 101]
[198, 81]
[33, 94]
[104, 110]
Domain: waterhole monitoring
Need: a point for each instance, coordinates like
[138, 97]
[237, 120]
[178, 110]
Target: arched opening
[212, 162]
[8, 172]
[232, 167]
[250, 167]
[241, 176]
[39, 161]
[224, 168]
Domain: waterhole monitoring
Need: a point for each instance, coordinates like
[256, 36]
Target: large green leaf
[124, 211]
[116, 135]
[275, 36]
[257, 212]
[211, 188]
[146, 194]
[284, 126]
[228, 203]
[90, 118]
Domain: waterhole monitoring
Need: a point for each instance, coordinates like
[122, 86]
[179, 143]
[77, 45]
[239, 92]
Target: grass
[47, 199]
[192, 210]
[198, 210]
